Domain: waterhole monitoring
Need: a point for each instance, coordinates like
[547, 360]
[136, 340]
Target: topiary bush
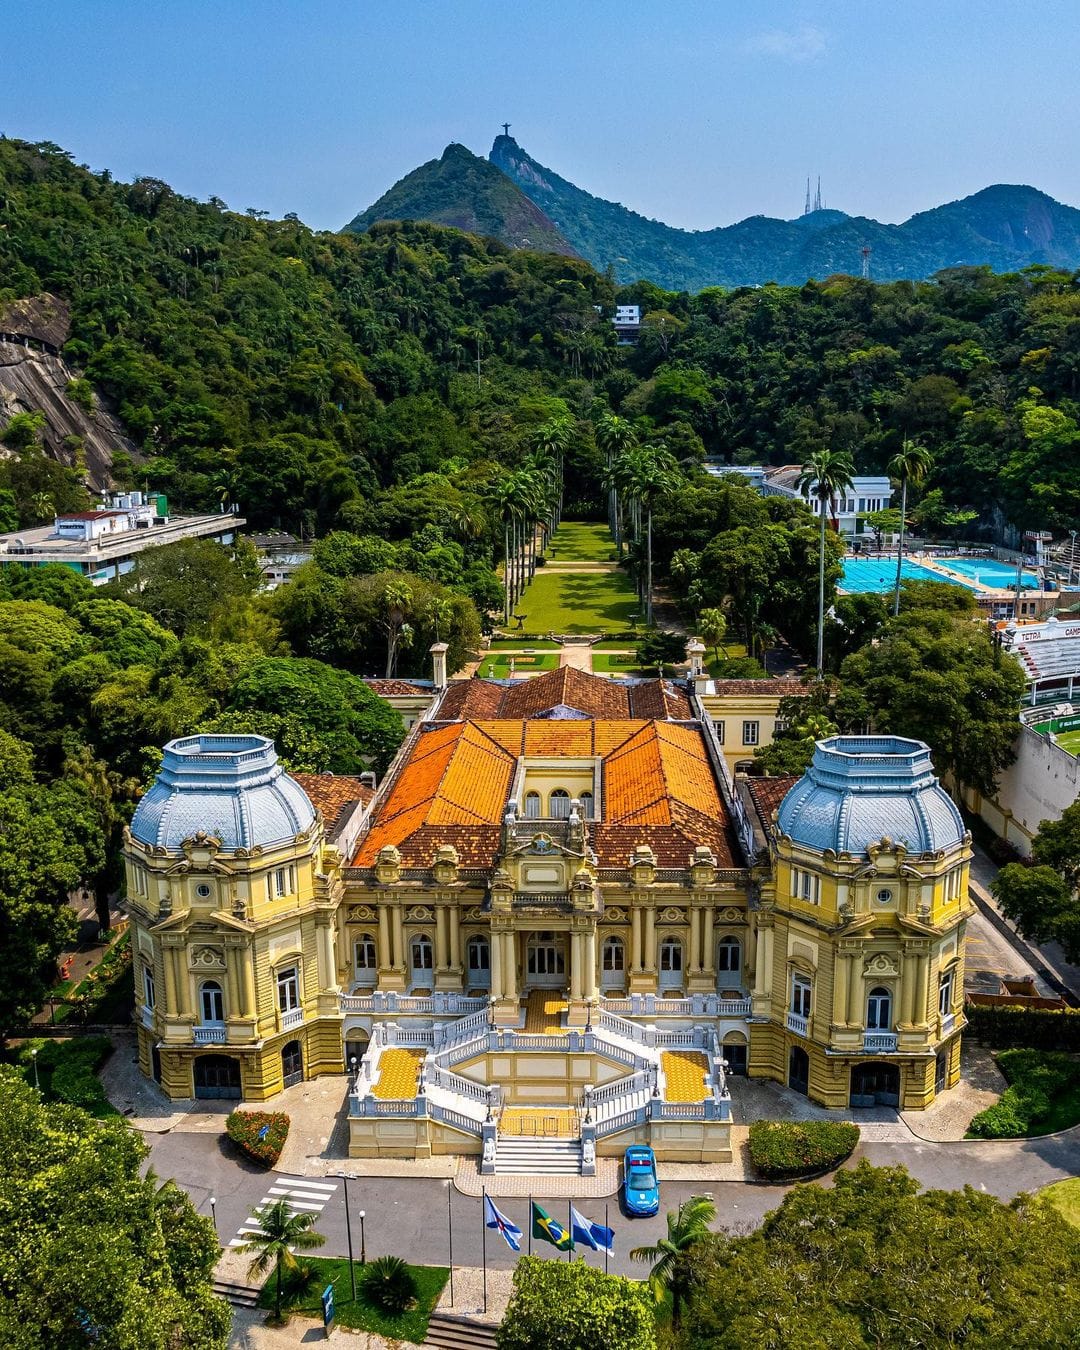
[389, 1284]
[784, 1150]
[259, 1135]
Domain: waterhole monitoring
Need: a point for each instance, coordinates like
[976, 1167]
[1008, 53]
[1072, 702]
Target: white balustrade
[799, 1025]
[210, 1033]
[291, 1017]
[879, 1042]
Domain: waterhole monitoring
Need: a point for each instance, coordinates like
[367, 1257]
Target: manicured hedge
[66, 1070]
[260, 1135]
[784, 1150]
[1009, 1025]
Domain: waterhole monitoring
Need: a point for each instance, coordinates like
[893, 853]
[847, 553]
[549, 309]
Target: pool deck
[940, 567]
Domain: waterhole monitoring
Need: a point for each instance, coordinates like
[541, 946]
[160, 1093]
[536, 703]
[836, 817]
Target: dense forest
[305, 375]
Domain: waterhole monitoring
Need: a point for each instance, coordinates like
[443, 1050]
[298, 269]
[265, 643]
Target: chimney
[695, 651]
[438, 662]
[368, 779]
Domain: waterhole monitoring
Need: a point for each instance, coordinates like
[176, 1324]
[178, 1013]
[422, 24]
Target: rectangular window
[945, 993]
[805, 886]
[148, 986]
[719, 727]
[750, 733]
[800, 996]
[141, 886]
[284, 881]
[288, 990]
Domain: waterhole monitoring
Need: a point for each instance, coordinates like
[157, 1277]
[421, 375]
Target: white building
[868, 492]
[103, 543]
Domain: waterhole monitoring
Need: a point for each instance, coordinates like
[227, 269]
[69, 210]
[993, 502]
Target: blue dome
[859, 789]
[231, 787]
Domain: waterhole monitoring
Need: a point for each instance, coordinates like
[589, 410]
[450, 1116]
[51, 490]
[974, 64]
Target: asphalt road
[408, 1217]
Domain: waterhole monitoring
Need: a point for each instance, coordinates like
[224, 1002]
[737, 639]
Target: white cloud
[802, 43]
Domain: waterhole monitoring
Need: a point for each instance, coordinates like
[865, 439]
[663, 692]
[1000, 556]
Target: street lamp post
[1072, 557]
[33, 1060]
[346, 1177]
[363, 1248]
[213, 1212]
[450, 1232]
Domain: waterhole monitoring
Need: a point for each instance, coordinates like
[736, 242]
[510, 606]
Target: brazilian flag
[547, 1229]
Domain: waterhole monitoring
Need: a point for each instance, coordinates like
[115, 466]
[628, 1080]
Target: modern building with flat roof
[103, 543]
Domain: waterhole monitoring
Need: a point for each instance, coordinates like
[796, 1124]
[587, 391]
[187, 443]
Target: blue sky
[697, 113]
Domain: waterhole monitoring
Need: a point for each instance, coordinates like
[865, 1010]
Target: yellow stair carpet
[539, 1122]
[398, 1072]
[542, 1013]
[685, 1072]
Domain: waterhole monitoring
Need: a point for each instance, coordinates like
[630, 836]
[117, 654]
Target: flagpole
[450, 1234]
[607, 1248]
[483, 1225]
[570, 1230]
[530, 1224]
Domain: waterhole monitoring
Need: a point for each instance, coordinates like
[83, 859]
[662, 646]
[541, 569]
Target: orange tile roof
[333, 793]
[768, 793]
[567, 687]
[392, 688]
[658, 788]
[778, 685]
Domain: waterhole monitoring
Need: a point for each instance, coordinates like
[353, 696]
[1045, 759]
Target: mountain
[465, 191]
[1003, 227]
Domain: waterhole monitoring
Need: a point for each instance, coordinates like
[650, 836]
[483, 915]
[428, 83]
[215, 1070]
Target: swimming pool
[878, 575]
[987, 572]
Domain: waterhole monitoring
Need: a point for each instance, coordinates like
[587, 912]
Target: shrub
[74, 1082]
[389, 1284]
[782, 1150]
[567, 1303]
[260, 1135]
[661, 648]
[1038, 1081]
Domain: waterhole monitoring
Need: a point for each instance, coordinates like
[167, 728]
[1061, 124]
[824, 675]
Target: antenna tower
[865, 251]
[817, 195]
[807, 208]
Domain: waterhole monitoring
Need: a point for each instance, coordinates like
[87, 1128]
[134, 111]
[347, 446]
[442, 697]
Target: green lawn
[592, 602]
[1043, 1096]
[582, 541]
[515, 644]
[1069, 740]
[497, 665]
[1065, 1198]
[361, 1315]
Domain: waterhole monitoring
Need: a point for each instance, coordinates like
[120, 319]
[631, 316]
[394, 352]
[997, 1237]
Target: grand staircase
[526, 1156]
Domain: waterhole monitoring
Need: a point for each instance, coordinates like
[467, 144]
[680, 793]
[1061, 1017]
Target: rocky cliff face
[33, 376]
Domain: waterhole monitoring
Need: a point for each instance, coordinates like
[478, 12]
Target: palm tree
[653, 475]
[397, 600]
[280, 1233]
[825, 474]
[614, 435]
[910, 464]
[685, 1228]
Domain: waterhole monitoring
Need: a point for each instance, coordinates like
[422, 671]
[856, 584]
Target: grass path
[579, 600]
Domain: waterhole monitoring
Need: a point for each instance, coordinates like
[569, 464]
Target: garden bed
[67, 1071]
[361, 1315]
[792, 1150]
[259, 1135]
[1043, 1096]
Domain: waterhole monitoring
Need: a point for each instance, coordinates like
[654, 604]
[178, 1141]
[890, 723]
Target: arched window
[212, 1001]
[532, 806]
[366, 960]
[613, 954]
[559, 804]
[729, 956]
[478, 954]
[586, 800]
[544, 955]
[423, 955]
[879, 1010]
[671, 955]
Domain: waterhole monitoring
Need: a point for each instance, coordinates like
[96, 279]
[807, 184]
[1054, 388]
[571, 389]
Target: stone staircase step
[239, 1295]
[447, 1332]
[537, 1157]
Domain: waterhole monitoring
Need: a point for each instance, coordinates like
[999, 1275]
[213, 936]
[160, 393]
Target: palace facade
[558, 920]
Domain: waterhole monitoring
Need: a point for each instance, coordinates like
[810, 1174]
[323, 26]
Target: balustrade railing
[291, 1017]
[799, 1025]
[211, 1033]
[391, 1002]
[656, 1005]
[879, 1042]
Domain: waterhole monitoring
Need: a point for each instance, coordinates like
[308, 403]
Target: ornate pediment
[474, 913]
[881, 963]
[671, 915]
[612, 914]
[359, 914]
[731, 915]
[207, 958]
[419, 914]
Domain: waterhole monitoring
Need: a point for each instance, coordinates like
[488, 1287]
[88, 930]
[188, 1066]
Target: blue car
[641, 1191]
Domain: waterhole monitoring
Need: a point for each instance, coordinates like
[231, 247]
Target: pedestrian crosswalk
[304, 1195]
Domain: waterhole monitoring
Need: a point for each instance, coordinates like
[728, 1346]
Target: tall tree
[910, 464]
[824, 475]
[669, 1272]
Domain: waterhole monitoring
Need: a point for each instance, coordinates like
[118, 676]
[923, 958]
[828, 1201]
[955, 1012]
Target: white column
[386, 951]
[708, 955]
[398, 926]
[496, 965]
[576, 963]
[590, 963]
[441, 952]
[455, 937]
[649, 955]
[693, 961]
[510, 964]
[635, 938]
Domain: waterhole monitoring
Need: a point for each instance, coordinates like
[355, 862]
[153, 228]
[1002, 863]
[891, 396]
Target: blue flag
[510, 1231]
[585, 1233]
